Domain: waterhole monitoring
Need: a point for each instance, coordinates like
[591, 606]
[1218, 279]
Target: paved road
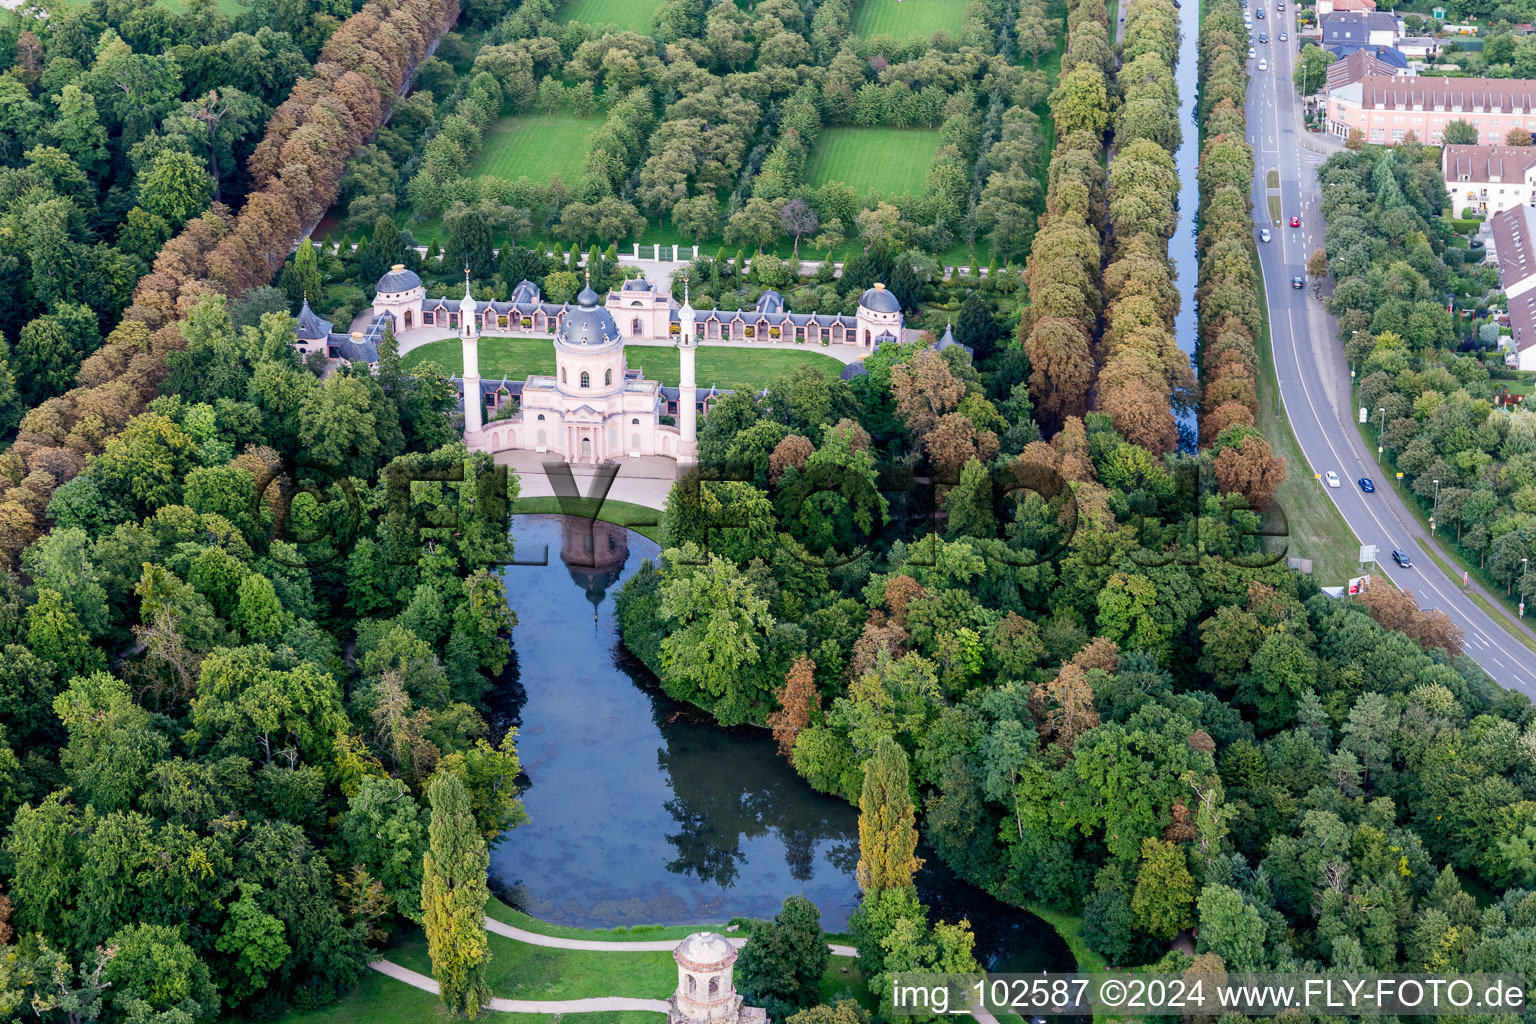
[1314, 379]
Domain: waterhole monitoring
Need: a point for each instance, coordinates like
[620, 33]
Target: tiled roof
[1356, 26]
[1388, 59]
[1354, 66]
[1515, 245]
[1452, 95]
[1522, 320]
[1487, 163]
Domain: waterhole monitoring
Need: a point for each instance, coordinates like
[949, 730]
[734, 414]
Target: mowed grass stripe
[536, 147]
[888, 161]
[634, 15]
[730, 369]
[908, 19]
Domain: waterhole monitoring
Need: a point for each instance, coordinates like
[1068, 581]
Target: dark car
[1402, 559]
[1263, 37]
[1297, 282]
[1259, 14]
[1476, 243]
[1367, 485]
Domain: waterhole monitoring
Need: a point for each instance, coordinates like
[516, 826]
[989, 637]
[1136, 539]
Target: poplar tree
[887, 821]
[453, 896]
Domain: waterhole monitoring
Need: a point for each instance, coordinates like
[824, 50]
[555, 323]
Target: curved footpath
[598, 1004]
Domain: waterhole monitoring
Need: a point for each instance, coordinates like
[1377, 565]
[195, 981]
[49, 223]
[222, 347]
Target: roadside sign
[1367, 553]
[1364, 414]
[1357, 584]
[1399, 476]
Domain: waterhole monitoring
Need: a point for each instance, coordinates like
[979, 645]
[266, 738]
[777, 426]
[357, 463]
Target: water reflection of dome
[594, 553]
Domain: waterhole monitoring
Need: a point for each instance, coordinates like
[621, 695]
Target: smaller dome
[398, 280]
[588, 298]
[880, 300]
[853, 370]
[705, 949]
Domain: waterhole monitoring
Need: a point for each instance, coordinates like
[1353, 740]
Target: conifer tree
[887, 821]
[453, 895]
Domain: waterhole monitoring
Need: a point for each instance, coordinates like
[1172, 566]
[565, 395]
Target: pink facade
[1386, 109]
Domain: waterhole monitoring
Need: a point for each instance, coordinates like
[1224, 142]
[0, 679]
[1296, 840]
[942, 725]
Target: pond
[642, 810]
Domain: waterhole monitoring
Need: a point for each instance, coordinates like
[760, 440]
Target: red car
[1295, 222]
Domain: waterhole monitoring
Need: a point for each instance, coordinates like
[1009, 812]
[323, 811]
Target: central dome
[705, 950]
[398, 279]
[880, 300]
[588, 323]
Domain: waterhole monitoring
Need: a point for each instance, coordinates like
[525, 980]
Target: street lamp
[1435, 509]
[1525, 565]
[1380, 430]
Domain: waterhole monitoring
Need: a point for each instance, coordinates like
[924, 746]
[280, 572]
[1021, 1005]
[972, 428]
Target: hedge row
[1066, 258]
[1143, 374]
[296, 172]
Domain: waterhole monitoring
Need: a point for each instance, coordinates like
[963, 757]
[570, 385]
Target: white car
[1283, 37]
[1263, 65]
[1332, 478]
[1252, 53]
[1263, 234]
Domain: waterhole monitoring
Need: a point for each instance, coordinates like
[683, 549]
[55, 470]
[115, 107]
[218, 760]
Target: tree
[1518, 137]
[153, 971]
[797, 702]
[1317, 264]
[887, 821]
[383, 832]
[301, 277]
[385, 249]
[176, 187]
[255, 939]
[1163, 901]
[1459, 132]
[781, 966]
[798, 219]
[469, 245]
[453, 897]
[1231, 928]
[1250, 470]
[697, 218]
[1311, 71]
[975, 327]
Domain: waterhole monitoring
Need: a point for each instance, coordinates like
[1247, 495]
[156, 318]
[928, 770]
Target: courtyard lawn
[634, 15]
[907, 19]
[537, 147]
[887, 161]
[730, 369]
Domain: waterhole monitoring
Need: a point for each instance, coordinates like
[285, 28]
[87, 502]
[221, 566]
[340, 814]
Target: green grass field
[889, 161]
[634, 15]
[906, 19]
[718, 366]
[537, 147]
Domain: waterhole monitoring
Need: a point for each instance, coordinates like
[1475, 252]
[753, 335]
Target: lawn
[732, 369]
[634, 15]
[537, 147]
[647, 523]
[887, 161]
[521, 971]
[906, 19]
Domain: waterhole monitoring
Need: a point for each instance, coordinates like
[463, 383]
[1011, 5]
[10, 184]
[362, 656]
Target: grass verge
[1272, 179]
[1316, 529]
[1274, 210]
[1070, 928]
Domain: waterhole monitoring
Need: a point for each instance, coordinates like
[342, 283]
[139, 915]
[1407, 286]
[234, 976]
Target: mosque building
[594, 408]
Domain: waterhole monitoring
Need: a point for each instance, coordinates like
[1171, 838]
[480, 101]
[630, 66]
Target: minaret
[687, 391]
[469, 338]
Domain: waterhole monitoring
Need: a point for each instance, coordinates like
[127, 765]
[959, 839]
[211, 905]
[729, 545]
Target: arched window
[636, 422]
[607, 378]
[541, 416]
[586, 379]
[562, 375]
[636, 327]
[714, 987]
[693, 984]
